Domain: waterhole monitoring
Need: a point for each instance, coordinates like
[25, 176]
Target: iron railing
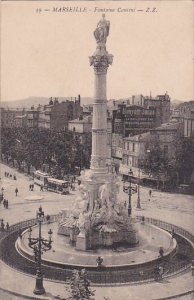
[105, 275]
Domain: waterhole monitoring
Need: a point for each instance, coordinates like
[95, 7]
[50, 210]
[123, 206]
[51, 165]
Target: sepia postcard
[97, 150]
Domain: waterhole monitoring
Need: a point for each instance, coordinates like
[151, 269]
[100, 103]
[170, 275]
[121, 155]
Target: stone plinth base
[108, 239]
[64, 230]
[81, 242]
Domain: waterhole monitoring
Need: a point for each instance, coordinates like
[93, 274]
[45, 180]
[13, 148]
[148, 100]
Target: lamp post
[39, 245]
[129, 190]
[138, 190]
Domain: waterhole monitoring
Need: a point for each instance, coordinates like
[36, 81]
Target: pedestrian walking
[10, 175]
[142, 220]
[6, 204]
[172, 233]
[30, 187]
[161, 252]
[2, 225]
[125, 204]
[16, 192]
[7, 226]
[1, 198]
[161, 272]
[150, 193]
[48, 219]
[41, 188]
[73, 186]
[14, 177]
[5, 174]
[156, 273]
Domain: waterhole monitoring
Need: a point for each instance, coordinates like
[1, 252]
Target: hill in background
[28, 102]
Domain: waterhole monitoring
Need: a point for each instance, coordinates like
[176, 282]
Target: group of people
[5, 203]
[9, 175]
[31, 187]
[2, 199]
[4, 226]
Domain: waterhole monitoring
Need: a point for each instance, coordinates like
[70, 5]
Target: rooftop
[87, 119]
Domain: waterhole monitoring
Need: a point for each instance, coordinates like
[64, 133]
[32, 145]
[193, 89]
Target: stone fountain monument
[98, 218]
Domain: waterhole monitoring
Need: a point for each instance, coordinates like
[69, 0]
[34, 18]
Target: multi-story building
[189, 124]
[139, 114]
[9, 116]
[136, 148]
[21, 121]
[56, 115]
[117, 149]
[81, 125]
[87, 110]
[32, 117]
[133, 119]
[185, 112]
[161, 103]
[185, 108]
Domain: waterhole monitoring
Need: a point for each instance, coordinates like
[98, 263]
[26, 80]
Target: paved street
[176, 209]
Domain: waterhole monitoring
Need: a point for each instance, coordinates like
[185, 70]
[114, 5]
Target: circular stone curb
[34, 198]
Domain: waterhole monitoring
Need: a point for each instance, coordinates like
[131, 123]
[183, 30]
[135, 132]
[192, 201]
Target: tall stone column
[100, 60]
[98, 209]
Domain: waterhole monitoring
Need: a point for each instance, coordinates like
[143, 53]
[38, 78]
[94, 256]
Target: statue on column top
[102, 30]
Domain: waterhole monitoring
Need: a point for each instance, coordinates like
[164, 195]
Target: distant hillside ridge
[28, 102]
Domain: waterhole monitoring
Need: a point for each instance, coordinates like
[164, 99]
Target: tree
[62, 150]
[78, 287]
[183, 161]
[156, 162]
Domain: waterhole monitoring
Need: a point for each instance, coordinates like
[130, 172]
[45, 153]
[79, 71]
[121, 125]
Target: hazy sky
[46, 54]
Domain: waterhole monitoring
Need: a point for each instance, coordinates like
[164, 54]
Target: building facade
[136, 148]
[54, 115]
[81, 125]
[161, 103]
[133, 119]
[12, 117]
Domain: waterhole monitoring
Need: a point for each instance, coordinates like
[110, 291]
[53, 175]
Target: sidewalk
[19, 283]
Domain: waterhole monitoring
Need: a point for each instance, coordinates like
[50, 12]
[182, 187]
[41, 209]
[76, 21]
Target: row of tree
[62, 151]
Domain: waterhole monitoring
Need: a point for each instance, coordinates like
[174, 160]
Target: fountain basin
[63, 255]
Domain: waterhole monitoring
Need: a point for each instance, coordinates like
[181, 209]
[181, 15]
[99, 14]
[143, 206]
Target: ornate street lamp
[39, 245]
[129, 190]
